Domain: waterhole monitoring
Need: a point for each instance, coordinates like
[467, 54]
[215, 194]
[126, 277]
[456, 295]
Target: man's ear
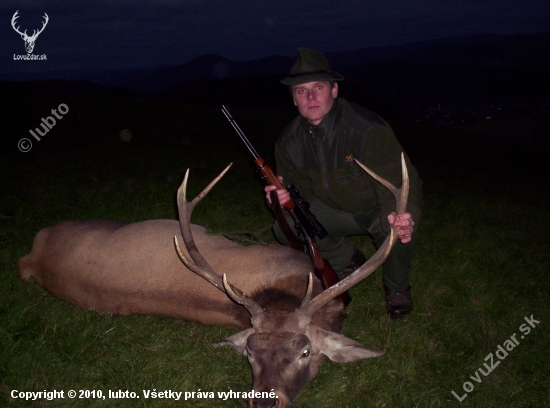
[335, 90]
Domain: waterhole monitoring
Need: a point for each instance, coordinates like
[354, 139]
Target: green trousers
[338, 250]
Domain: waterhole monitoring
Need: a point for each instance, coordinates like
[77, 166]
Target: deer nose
[264, 403]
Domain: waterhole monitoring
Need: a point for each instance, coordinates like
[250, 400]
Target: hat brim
[312, 77]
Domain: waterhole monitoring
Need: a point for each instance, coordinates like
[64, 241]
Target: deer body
[134, 269]
[291, 324]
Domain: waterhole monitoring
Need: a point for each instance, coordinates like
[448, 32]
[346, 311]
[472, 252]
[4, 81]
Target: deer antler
[401, 195]
[44, 24]
[35, 32]
[15, 17]
[198, 264]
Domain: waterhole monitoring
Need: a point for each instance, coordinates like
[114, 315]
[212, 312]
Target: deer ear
[237, 341]
[340, 349]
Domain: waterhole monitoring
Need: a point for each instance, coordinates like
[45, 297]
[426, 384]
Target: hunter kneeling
[316, 153]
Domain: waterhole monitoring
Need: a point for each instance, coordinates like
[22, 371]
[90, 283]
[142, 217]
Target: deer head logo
[29, 40]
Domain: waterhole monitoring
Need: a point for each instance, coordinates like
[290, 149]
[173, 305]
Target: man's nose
[311, 96]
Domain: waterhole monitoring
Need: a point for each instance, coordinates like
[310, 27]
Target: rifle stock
[326, 274]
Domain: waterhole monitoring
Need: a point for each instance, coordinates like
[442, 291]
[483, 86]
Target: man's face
[314, 99]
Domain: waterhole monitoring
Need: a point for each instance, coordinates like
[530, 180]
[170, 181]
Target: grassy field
[480, 269]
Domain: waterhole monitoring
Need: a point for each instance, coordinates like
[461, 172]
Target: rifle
[304, 221]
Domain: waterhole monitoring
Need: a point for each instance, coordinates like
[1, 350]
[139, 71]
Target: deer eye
[305, 353]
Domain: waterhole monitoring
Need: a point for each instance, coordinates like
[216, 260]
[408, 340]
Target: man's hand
[405, 224]
[284, 196]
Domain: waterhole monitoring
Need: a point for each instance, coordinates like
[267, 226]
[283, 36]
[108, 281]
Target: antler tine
[204, 272]
[35, 33]
[404, 190]
[401, 196]
[185, 210]
[250, 305]
[182, 191]
[197, 263]
[307, 298]
[13, 21]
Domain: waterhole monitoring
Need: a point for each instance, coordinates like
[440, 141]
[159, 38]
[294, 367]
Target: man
[315, 153]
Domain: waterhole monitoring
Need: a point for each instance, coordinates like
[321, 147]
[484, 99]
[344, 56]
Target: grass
[480, 268]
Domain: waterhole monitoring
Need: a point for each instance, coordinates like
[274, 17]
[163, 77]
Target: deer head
[284, 347]
[29, 41]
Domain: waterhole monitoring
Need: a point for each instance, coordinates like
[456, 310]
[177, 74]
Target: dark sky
[116, 34]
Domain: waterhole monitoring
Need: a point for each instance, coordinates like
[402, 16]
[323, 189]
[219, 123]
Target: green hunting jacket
[318, 160]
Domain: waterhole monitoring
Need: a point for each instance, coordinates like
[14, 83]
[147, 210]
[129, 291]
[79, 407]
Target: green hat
[311, 65]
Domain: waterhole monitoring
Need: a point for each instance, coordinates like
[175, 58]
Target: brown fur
[130, 269]
[134, 269]
[330, 317]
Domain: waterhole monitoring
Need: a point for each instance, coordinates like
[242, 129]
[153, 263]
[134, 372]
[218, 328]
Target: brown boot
[357, 260]
[398, 304]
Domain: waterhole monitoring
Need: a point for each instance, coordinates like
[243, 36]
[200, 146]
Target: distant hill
[413, 84]
[477, 69]
[526, 55]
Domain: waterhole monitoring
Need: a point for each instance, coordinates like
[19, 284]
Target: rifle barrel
[229, 117]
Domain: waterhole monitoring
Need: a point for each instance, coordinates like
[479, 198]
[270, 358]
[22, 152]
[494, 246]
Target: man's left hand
[405, 224]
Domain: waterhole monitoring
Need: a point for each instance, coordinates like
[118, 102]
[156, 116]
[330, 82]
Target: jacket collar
[323, 128]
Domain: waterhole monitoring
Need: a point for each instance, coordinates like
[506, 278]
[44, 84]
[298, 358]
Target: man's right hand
[284, 196]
